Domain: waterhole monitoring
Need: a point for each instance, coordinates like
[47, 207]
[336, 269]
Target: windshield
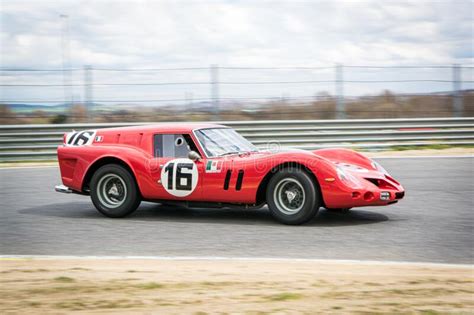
[222, 141]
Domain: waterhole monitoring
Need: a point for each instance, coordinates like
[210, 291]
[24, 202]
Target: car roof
[178, 127]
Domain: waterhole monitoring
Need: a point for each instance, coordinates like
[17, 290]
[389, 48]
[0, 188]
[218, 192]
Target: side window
[173, 145]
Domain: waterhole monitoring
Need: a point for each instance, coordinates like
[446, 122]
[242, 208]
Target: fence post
[458, 106]
[88, 98]
[215, 91]
[66, 59]
[189, 103]
[340, 106]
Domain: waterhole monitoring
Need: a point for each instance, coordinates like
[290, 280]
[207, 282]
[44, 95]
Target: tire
[114, 191]
[292, 196]
[339, 210]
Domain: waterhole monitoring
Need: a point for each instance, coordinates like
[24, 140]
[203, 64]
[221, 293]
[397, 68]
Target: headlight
[379, 167]
[347, 177]
[342, 175]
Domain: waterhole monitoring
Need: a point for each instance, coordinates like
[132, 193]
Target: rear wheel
[114, 191]
[292, 196]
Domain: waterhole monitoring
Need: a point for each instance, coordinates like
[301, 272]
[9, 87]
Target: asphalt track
[434, 223]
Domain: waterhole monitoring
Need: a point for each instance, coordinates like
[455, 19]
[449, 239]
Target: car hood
[349, 160]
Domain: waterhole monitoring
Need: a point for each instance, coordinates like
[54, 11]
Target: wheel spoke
[289, 196]
[112, 190]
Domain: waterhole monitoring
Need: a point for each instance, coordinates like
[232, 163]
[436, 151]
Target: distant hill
[27, 108]
[61, 108]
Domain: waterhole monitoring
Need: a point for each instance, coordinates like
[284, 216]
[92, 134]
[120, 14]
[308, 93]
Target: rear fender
[101, 162]
[79, 163]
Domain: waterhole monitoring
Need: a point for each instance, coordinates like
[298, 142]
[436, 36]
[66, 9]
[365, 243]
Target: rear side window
[173, 145]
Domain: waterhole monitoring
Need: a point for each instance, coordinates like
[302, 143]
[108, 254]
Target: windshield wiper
[228, 153]
[239, 152]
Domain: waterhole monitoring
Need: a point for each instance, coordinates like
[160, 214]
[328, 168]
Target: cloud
[162, 34]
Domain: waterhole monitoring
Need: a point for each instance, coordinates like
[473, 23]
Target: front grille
[373, 181]
[399, 195]
[391, 179]
[381, 183]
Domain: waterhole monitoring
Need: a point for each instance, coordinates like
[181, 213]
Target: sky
[312, 36]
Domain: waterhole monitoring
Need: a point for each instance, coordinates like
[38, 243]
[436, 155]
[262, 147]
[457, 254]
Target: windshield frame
[203, 148]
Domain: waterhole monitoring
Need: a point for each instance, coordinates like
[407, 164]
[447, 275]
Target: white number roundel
[179, 177]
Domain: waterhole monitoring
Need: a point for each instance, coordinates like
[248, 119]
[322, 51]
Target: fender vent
[240, 178]
[227, 179]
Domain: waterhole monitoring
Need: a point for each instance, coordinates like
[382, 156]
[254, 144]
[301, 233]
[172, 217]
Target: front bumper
[364, 198]
[367, 192]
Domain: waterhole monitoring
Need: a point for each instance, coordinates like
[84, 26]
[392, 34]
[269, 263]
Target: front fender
[348, 156]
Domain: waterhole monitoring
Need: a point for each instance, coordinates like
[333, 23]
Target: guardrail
[39, 142]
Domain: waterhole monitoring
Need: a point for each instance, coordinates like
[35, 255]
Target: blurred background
[138, 61]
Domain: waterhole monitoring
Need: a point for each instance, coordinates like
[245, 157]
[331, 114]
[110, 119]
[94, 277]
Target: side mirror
[193, 155]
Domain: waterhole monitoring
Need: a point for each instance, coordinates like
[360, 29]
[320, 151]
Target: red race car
[208, 165]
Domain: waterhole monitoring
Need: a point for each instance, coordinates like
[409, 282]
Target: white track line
[424, 157]
[28, 167]
[220, 258]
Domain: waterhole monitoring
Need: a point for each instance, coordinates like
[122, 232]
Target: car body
[209, 164]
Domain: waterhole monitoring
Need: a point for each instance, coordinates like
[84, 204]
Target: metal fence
[213, 88]
[39, 142]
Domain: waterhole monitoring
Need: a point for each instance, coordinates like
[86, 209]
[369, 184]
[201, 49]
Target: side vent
[227, 179]
[240, 178]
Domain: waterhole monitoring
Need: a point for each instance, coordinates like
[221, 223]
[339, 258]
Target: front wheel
[292, 196]
[114, 191]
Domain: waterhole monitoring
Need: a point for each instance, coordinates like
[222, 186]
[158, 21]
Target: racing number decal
[179, 177]
[80, 138]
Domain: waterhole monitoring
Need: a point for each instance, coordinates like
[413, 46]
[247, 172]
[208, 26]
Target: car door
[175, 176]
[224, 179]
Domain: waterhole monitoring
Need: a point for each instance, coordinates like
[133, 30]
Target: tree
[6, 115]
[59, 119]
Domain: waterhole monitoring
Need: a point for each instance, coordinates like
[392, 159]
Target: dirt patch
[244, 287]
